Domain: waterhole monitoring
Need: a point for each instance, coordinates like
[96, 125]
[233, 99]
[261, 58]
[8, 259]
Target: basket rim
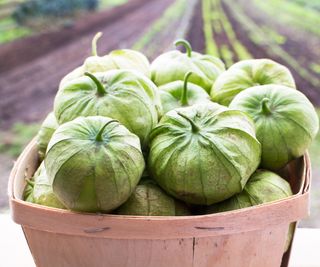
[55, 220]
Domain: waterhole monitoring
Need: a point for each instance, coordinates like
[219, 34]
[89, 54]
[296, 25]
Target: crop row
[211, 46]
[292, 14]
[217, 24]
[177, 14]
[10, 30]
[240, 50]
[258, 36]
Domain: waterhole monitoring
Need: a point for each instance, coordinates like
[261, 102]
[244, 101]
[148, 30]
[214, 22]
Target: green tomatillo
[286, 122]
[173, 66]
[181, 94]
[47, 128]
[94, 164]
[116, 59]
[39, 190]
[263, 186]
[203, 154]
[125, 95]
[246, 74]
[149, 199]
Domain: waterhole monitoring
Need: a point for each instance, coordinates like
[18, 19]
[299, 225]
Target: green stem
[94, 43]
[186, 45]
[195, 127]
[184, 96]
[265, 106]
[99, 134]
[30, 182]
[100, 88]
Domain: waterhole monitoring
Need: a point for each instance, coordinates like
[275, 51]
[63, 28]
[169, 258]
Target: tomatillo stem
[99, 134]
[265, 106]
[186, 45]
[100, 88]
[94, 43]
[184, 96]
[29, 182]
[195, 127]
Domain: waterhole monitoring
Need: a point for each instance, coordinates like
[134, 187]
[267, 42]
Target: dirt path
[28, 91]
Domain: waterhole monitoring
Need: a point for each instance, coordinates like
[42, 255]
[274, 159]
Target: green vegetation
[227, 55]
[172, 14]
[13, 141]
[275, 36]
[312, 4]
[241, 51]
[111, 3]
[32, 9]
[315, 67]
[9, 29]
[23, 18]
[215, 22]
[15, 33]
[211, 47]
[315, 148]
[293, 14]
[258, 36]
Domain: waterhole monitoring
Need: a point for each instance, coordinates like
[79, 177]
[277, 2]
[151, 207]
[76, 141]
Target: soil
[29, 89]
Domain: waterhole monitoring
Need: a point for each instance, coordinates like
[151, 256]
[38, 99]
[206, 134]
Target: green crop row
[10, 30]
[111, 3]
[258, 36]
[15, 33]
[227, 55]
[171, 14]
[311, 4]
[292, 14]
[216, 23]
[211, 46]
[241, 51]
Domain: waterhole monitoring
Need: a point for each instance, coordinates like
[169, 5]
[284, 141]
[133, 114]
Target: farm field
[11, 30]
[31, 67]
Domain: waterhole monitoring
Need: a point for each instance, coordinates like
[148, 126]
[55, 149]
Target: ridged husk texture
[117, 59]
[94, 174]
[39, 190]
[286, 122]
[248, 73]
[206, 162]
[149, 199]
[171, 93]
[47, 129]
[263, 186]
[129, 97]
[172, 66]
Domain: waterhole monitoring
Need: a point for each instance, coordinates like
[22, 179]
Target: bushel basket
[247, 237]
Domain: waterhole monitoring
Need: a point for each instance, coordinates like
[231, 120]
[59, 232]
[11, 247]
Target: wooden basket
[248, 237]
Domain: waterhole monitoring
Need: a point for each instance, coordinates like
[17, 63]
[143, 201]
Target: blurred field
[34, 55]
